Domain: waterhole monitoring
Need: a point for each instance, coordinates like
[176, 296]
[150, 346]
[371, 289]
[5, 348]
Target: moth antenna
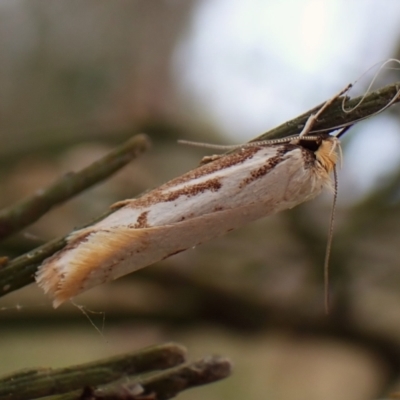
[370, 86]
[394, 99]
[349, 124]
[270, 141]
[247, 145]
[340, 154]
[236, 146]
[288, 139]
[347, 111]
[211, 146]
[329, 243]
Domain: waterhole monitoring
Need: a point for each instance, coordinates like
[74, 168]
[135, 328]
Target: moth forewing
[203, 204]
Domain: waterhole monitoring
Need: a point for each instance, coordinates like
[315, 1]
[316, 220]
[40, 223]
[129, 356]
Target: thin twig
[29, 210]
[161, 386]
[45, 382]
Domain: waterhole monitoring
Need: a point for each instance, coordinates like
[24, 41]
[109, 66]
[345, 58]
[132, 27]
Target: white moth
[206, 202]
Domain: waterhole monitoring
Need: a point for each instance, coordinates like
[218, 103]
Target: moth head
[327, 154]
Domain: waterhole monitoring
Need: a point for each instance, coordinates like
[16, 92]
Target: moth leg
[120, 204]
[313, 118]
[208, 159]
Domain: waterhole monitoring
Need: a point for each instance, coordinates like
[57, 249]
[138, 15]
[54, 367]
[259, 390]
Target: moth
[257, 180]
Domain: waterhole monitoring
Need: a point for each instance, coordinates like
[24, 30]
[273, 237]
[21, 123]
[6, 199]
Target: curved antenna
[210, 145]
[393, 100]
[384, 63]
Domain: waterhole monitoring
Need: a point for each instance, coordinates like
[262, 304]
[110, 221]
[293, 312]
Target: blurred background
[79, 77]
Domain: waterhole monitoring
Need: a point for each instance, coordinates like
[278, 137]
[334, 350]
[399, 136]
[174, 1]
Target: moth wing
[97, 256]
[109, 250]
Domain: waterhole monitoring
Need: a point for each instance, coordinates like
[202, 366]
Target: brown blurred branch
[161, 385]
[27, 211]
[247, 310]
[374, 206]
[19, 272]
[30, 384]
[169, 383]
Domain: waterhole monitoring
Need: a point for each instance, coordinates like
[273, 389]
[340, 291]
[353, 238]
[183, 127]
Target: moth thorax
[326, 154]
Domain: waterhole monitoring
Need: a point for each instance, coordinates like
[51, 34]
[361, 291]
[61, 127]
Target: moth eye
[310, 144]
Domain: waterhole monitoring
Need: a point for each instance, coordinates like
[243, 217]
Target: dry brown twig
[118, 377]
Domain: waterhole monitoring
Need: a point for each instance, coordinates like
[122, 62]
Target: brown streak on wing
[261, 171]
[142, 221]
[159, 195]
